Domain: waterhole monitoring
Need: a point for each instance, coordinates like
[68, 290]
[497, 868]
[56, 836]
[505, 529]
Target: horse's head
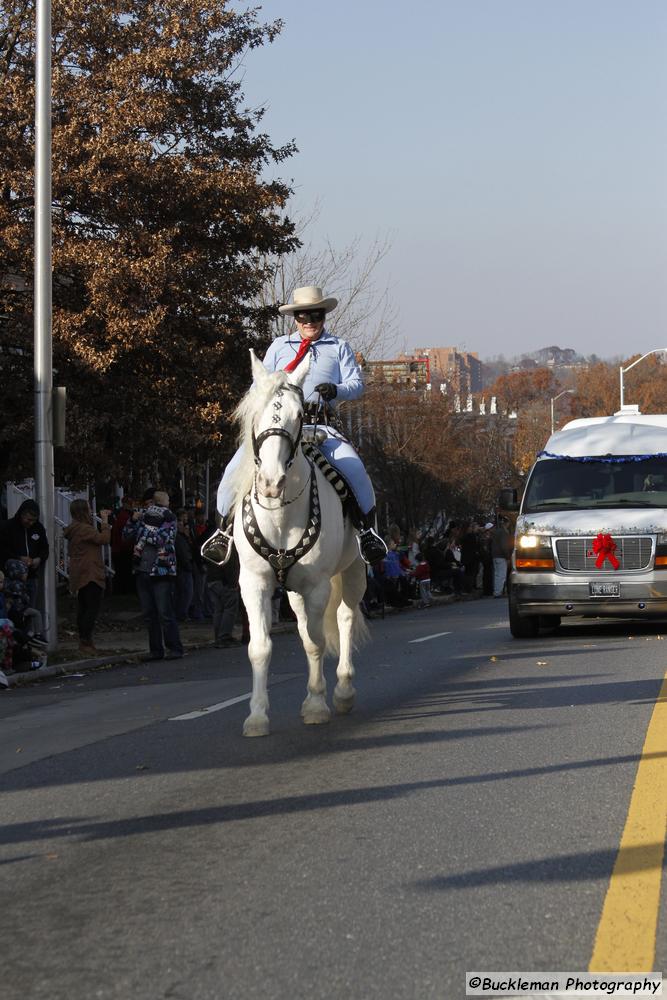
[277, 423]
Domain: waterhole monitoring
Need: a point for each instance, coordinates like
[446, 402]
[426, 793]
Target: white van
[591, 535]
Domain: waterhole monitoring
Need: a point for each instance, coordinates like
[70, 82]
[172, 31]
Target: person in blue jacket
[334, 377]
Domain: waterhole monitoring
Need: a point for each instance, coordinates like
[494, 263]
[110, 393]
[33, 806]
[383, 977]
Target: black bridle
[259, 439]
[281, 559]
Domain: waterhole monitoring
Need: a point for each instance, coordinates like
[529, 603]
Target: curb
[73, 666]
[26, 677]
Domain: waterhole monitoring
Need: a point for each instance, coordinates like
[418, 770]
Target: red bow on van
[604, 547]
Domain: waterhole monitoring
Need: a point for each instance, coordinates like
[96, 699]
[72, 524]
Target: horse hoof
[317, 717]
[344, 700]
[344, 706]
[254, 726]
[315, 711]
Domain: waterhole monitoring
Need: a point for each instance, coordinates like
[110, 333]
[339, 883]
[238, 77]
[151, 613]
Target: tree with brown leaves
[162, 216]
[516, 389]
[533, 427]
[424, 460]
[598, 388]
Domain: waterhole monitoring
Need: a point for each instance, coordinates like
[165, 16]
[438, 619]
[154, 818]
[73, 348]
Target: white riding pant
[337, 451]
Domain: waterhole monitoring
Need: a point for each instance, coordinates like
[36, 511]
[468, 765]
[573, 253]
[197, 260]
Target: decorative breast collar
[281, 559]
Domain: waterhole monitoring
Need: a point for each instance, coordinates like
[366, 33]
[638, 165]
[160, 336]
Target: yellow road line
[625, 939]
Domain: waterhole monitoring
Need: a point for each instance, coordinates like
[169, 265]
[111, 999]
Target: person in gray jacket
[334, 377]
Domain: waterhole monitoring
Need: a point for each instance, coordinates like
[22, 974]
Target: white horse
[289, 528]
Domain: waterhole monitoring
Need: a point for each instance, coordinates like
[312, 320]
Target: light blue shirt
[332, 361]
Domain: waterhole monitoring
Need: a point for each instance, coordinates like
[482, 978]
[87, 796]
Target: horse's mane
[255, 400]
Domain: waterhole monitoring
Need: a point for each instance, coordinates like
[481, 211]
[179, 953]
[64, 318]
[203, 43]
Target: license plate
[604, 589]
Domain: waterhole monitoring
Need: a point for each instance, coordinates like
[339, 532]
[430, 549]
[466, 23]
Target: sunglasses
[312, 316]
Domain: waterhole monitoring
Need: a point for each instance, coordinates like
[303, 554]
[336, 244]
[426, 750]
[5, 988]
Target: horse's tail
[360, 633]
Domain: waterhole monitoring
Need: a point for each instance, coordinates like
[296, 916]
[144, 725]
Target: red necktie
[304, 347]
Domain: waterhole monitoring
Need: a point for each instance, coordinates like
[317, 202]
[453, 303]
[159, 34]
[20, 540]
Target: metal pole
[554, 399]
[656, 350]
[43, 367]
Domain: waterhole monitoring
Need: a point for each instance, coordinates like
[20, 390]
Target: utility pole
[43, 364]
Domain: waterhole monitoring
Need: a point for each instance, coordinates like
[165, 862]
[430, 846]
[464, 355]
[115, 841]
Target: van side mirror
[508, 500]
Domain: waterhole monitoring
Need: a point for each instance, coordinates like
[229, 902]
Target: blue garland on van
[616, 459]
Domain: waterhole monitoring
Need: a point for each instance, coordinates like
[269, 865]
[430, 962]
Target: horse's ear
[298, 376]
[259, 372]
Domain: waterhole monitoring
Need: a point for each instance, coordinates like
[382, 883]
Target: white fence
[18, 492]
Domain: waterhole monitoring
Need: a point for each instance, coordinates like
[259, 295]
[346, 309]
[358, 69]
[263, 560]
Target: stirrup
[371, 547]
[218, 548]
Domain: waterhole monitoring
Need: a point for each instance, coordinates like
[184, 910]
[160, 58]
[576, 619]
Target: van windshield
[558, 484]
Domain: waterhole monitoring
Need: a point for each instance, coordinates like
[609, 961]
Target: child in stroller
[27, 643]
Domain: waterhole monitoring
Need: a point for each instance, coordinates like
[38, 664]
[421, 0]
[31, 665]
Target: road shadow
[84, 829]
[443, 696]
[584, 867]
[512, 694]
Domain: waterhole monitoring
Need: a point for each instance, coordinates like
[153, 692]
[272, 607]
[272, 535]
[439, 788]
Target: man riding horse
[334, 377]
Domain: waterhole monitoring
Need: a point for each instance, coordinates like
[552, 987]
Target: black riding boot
[218, 548]
[371, 547]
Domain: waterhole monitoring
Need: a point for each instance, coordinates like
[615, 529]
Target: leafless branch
[365, 315]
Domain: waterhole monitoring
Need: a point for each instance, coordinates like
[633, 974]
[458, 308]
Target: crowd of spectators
[470, 558]
[173, 582]
[156, 557]
[156, 554]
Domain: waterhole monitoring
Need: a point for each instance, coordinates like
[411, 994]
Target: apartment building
[459, 371]
[411, 372]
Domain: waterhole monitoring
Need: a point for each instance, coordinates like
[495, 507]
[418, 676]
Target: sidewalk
[121, 637]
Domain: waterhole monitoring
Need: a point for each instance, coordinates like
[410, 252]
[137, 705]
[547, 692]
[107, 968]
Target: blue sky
[514, 151]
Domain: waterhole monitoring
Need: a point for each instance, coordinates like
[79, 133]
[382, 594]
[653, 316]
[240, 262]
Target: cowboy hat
[309, 297]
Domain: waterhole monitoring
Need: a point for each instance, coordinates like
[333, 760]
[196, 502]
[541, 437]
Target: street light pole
[622, 371]
[43, 364]
[553, 400]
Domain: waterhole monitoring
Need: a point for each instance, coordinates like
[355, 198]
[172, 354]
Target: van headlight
[533, 542]
[534, 552]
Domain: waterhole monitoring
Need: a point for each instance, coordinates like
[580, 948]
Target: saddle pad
[332, 475]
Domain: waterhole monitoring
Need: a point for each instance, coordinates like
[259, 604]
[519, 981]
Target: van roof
[625, 434]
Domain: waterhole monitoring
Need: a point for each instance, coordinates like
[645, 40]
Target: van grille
[632, 552]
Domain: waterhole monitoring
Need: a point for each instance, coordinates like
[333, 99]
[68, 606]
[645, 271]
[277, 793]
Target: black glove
[327, 391]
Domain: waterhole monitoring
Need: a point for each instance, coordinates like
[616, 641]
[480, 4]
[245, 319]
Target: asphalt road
[467, 815]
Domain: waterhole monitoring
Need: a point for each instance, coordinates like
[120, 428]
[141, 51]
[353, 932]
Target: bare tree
[365, 315]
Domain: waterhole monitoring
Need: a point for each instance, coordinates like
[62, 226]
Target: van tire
[522, 626]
